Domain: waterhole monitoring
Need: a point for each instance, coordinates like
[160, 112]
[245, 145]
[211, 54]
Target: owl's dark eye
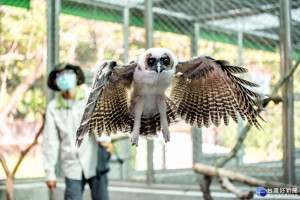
[151, 61]
[166, 61]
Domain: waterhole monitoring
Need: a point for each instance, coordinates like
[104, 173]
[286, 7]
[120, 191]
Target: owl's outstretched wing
[107, 106]
[205, 91]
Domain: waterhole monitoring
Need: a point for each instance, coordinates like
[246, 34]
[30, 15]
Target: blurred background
[37, 34]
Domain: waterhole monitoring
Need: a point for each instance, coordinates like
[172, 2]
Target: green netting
[296, 55]
[106, 14]
[91, 12]
[18, 3]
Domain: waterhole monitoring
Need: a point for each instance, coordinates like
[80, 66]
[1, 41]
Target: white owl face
[158, 60]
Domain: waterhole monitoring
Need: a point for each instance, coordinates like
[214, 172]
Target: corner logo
[261, 192]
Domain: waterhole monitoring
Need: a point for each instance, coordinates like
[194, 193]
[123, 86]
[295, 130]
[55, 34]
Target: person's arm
[50, 149]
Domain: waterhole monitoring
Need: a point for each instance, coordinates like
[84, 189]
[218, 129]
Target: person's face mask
[66, 81]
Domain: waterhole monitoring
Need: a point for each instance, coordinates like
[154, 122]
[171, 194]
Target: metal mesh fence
[242, 32]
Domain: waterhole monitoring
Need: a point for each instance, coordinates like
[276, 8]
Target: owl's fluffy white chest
[152, 83]
[149, 85]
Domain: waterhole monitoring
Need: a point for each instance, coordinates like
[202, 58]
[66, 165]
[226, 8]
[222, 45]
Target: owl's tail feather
[150, 125]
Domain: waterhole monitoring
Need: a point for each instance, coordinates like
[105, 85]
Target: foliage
[22, 42]
[32, 103]
[88, 42]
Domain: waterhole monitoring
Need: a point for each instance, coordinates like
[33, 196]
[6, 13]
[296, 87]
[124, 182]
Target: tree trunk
[9, 188]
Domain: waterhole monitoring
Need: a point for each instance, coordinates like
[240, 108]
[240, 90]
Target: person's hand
[110, 147]
[51, 185]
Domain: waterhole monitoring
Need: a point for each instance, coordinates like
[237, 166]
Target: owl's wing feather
[205, 91]
[107, 102]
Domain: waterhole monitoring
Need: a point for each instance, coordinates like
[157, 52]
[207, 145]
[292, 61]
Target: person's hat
[60, 67]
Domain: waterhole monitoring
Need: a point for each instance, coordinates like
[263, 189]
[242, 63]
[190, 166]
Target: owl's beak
[159, 67]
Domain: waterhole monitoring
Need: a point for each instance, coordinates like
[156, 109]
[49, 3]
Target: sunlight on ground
[30, 167]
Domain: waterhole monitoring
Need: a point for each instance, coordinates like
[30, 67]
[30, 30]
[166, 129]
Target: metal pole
[240, 124]
[197, 144]
[53, 8]
[286, 52]
[196, 132]
[240, 45]
[149, 23]
[149, 43]
[126, 167]
[194, 39]
[126, 21]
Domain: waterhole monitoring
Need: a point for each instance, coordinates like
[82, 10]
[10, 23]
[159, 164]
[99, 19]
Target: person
[63, 117]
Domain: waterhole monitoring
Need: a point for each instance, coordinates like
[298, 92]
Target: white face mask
[66, 81]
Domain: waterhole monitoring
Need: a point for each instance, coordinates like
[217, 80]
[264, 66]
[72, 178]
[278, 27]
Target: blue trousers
[98, 186]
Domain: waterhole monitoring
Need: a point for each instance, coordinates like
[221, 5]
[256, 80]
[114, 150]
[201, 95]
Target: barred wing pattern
[205, 91]
[107, 106]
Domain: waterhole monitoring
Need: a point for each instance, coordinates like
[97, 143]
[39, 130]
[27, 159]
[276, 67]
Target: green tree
[22, 59]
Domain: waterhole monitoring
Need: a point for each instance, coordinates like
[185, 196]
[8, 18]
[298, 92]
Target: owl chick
[132, 97]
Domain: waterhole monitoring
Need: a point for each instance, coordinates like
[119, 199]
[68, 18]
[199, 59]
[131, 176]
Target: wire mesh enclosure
[244, 32]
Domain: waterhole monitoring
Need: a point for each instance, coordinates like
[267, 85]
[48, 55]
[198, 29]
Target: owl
[147, 95]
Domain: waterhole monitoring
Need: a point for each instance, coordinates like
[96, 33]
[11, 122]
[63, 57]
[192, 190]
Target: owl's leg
[162, 108]
[137, 110]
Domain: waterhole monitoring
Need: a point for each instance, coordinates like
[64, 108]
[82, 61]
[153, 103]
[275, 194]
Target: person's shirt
[62, 121]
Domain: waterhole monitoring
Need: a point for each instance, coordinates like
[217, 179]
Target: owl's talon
[166, 134]
[134, 139]
[134, 144]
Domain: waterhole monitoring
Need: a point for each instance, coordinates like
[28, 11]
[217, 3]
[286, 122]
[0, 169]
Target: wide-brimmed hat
[60, 67]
